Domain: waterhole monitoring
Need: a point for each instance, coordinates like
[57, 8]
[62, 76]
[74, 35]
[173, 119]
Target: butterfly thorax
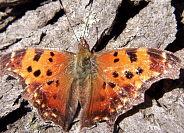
[82, 64]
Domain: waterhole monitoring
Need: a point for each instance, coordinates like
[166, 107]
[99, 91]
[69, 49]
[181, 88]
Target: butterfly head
[83, 44]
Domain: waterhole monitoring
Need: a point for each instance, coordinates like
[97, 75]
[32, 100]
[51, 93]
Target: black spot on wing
[128, 75]
[50, 60]
[116, 60]
[50, 82]
[112, 85]
[139, 70]
[104, 85]
[37, 73]
[49, 73]
[29, 69]
[52, 53]
[115, 54]
[115, 74]
[38, 52]
[57, 83]
[132, 55]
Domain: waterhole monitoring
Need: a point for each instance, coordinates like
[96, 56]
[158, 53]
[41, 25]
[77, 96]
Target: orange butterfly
[102, 85]
[105, 84]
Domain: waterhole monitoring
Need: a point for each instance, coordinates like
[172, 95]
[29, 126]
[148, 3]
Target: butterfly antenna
[68, 19]
[90, 3]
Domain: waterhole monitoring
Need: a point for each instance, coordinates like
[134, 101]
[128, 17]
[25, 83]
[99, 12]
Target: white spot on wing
[164, 55]
[13, 54]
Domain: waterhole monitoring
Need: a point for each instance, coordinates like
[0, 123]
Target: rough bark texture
[116, 24]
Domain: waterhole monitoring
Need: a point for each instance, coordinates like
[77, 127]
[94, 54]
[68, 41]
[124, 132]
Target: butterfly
[104, 84]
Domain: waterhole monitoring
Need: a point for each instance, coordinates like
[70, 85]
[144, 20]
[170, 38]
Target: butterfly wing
[120, 80]
[47, 78]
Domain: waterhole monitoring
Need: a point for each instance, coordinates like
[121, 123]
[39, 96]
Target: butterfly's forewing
[121, 78]
[47, 77]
